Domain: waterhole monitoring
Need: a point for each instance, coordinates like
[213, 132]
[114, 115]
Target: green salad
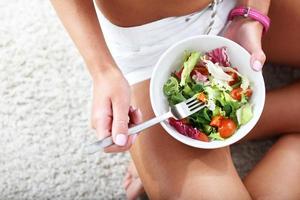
[213, 80]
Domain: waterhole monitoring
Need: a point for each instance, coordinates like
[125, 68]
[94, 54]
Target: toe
[134, 189]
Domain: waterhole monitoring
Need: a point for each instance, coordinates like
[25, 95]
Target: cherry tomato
[202, 97]
[226, 128]
[216, 121]
[236, 93]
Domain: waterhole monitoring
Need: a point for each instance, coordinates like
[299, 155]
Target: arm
[111, 92]
[80, 20]
[261, 5]
[248, 33]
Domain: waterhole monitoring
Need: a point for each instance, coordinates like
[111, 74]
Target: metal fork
[179, 111]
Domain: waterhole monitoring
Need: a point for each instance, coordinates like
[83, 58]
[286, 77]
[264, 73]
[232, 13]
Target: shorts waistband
[137, 49]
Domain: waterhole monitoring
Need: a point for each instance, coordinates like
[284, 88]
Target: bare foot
[132, 183]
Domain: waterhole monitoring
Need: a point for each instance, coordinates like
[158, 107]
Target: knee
[290, 140]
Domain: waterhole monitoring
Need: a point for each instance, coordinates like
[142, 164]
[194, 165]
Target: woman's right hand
[111, 111]
[111, 97]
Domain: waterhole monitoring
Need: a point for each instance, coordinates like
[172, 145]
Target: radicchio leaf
[220, 56]
[188, 130]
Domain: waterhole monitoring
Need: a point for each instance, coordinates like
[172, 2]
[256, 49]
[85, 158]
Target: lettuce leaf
[221, 85]
[215, 136]
[188, 66]
[176, 98]
[171, 86]
[218, 111]
[244, 114]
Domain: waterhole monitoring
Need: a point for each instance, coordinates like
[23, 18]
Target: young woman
[136, 32]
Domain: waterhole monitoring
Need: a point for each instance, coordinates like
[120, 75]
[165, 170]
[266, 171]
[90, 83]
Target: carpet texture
[44, 113]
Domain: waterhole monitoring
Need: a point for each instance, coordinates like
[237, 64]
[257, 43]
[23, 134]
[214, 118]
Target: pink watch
[251, 13]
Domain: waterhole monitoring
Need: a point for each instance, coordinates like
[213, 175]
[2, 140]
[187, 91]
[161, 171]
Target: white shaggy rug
[44, 113]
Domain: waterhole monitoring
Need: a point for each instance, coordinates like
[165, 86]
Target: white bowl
[172, 58]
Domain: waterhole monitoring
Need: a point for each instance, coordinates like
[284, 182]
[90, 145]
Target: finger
[116, 148]
[258, 59]
[126, 183]
[120, 121]
[254, 47]
[127, 176]
[136, 188]
[102, 120]
[135, 116]
[127, 179]
[102, 132]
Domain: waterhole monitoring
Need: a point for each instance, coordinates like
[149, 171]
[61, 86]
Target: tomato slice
[216, 121]
[201, 136]
[227, 128]
[235, 68]
[184, 120]
[248, 92]
[201, 69]
[235, 78]
[202, 97]
[236, 93]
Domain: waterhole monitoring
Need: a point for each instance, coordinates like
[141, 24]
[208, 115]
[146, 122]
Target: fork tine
[195, 105]
[190, 100]
[198, 108]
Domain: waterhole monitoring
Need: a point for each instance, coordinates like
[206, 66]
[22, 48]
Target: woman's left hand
[247, 33]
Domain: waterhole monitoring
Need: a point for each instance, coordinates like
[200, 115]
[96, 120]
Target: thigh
[172, 170]
[281, 43]
[277, 175]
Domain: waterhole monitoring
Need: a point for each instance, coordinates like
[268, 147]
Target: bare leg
[172, 170]
[280, 116]
[276, 118]
[277, 176]
[132, 183]
[281, 43]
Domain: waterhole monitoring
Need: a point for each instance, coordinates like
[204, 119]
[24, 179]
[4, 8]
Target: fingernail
[134, 138]
[121, 140]
[257, 66]
[132, 108]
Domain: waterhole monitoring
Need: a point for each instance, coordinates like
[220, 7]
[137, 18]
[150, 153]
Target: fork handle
[97, 146]
[136, 129]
